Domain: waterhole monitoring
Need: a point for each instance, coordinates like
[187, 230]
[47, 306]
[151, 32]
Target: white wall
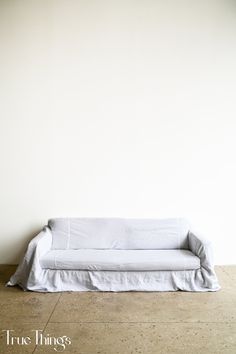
[117, 108]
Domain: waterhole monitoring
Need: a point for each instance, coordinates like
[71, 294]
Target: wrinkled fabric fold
[203, 249]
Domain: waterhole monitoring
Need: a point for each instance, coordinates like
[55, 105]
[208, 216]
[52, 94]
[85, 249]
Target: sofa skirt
[73, 280]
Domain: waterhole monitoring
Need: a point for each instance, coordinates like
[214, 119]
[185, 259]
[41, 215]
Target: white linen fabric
[88, 259]
[56, 261]
[118, 233]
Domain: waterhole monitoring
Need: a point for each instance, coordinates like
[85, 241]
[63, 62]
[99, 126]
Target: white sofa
[114, 254]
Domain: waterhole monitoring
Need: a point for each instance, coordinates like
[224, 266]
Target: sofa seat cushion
[125, 260]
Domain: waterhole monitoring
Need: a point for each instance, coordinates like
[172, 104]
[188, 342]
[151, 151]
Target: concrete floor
[122, 323]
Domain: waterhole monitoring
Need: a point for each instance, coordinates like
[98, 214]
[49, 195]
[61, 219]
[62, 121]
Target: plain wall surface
[117, 108]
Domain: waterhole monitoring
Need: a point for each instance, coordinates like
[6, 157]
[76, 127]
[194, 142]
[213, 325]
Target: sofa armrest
[202, 248]
[29, 269]
[41, 243]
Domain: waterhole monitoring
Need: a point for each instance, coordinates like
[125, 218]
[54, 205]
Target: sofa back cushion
[117, 233]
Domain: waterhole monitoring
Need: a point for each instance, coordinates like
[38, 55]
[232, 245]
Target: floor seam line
[145, 322]
[48, 319]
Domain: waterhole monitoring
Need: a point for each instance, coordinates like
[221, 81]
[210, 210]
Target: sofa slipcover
[115, 254]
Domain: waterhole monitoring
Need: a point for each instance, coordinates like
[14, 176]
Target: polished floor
[119, 323]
